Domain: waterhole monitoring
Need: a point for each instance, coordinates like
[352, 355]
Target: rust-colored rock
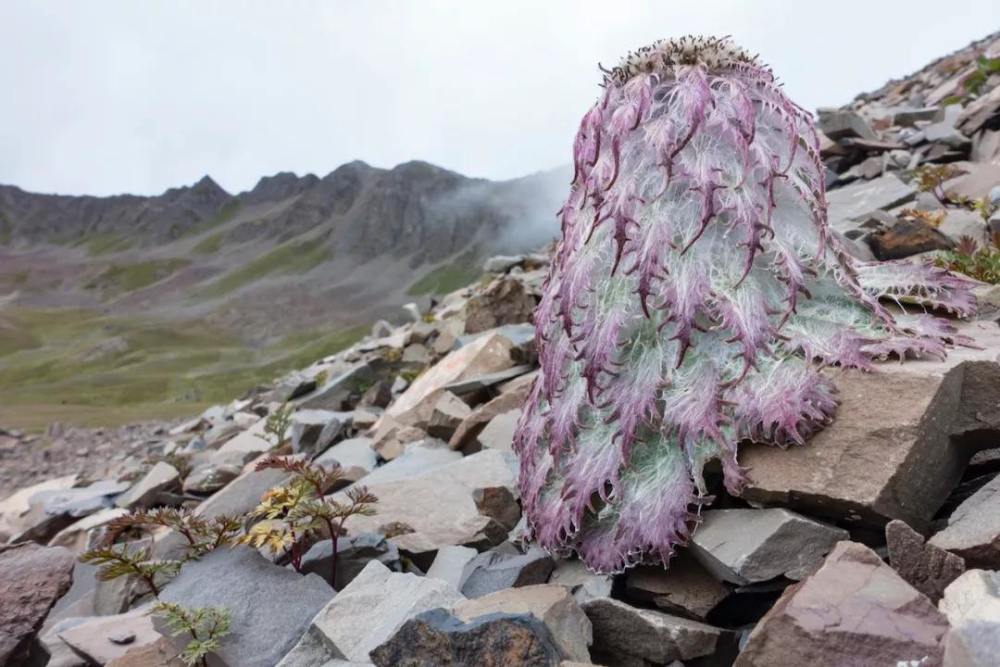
[906, 238]
[926, 567]
[855, 610]
[32, 579]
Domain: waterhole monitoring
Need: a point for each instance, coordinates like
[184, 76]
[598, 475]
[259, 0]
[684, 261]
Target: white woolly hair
[714, 53]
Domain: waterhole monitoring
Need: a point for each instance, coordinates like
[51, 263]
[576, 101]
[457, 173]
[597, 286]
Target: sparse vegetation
[105, 243]
[975, 261]
[296, 256]
[277, 424]
[445, 279]
[206, 626]
[209, 245]
[130, 277]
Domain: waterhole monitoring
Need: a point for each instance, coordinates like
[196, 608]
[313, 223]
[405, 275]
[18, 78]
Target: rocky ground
[877, 543]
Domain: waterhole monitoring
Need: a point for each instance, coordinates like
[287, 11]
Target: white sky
[103, 97]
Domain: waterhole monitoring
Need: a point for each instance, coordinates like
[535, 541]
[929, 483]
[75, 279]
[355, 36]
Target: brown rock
[623, 634]
[449, 411]
[898, 446]
[551, 604]
[391, 437]
[158, 654]
[32, 579]
[973, 530]
[511, 399]
[924, 566]
[906, 238]
[438, 639]
[855, 610]
[504, 301]
[685, 588]
[96, 637]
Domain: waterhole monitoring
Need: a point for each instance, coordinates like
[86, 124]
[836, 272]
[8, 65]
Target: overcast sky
[104, 97]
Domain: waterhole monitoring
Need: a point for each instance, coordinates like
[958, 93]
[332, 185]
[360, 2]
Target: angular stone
[685, 588]
[466, 433]
[353, 554]
[972, 605]
[270, 606]
[499, 433]
[503, 301]
[312, 431]
[623, 634]
[417, 354]
[973, 530]
[585, 585]
[480, 383]
[976, 182]
[857, 200]
[249, 444]
[839, 124]
[449, 564]
[392, 436]
[210, 477]
[15, 510]
[420, 457]
[487, 354]
[449, 411]
[745, 546]
[355, 457]
[32, 579]
[926, 567]
[906, 238]
[855, 610]
[92, 637]
[437, 638]
[53, 510]
[335, 394]
[499, 504]
[366, 613]
[438, 505]
[896, 449]
[243, 493]
[146, 492]
[505, 567]
[158, 654]
[551, 604]
[75, 537]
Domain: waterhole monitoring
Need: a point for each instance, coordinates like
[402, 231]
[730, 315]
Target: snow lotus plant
[694, 296]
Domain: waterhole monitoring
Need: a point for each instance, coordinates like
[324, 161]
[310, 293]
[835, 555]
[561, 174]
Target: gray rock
[82, 501]
[551, 604]
[499, 432]
[855, 201]
[92, 637]
[840, 124]
[623, 634]
[973, 530]
[585, 585]
[32, 579]
[370, 610]
[313, 430]
[684, 588]
[161, 478]
[972, 606]
[417, 459]
[449, 564]
[437, 638]
[355, 456]
[210, 477]
[746, 546]
[505, 567]
[353, 554]
[926, 567]
[270, 606]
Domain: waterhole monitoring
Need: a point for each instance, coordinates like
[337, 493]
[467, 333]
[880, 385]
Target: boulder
[249, 444]
[551, 604]
[15, 510]
[158, 654]
[685, 588]
[32, 579]
[973, 530]
[505, 567]
[510, 400]
[353, 554]
[745, 546]
[367, 612]
[583, 584]
[857, 200]
[210, 477]
[924, 566]
[102, 639]
[437, 638]
[392, 436]
[243, 493]
[841, 124]
[420, 457]
[437, 505]
[972, 606]
[624, 634]
[355, 457]
[503, 301]
[312, 431]
[855, 610]
[161, 478]
[898, 446]
[487, 354]
[499, 432]
[76, 536]
[449, 411]
[270, 606]
[907, 237]
[449, 564]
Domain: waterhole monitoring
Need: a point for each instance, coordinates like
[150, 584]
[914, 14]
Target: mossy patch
[105, 243]
[209, 245]
[130, 277]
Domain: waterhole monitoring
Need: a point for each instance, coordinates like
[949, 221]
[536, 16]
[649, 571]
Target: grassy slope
[84, 367]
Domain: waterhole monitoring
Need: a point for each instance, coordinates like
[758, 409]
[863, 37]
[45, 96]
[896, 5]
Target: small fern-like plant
[299, 509]
[205, 625]
[121, 560]
[277, 424]
[694, 295]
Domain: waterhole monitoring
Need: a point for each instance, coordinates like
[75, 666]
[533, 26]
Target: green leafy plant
[931, 178]
[206, 626]
[981, 263]
[300, 509]
[121, 560]
[277, 425]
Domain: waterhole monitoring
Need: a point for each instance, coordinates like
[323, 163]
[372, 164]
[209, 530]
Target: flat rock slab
[924, 566]
[585, 585]
[745, 546]
[438, 507]
[624, 634]
[973, 530]
[249, 444]
[551, 604]
[891, 453]
[270, 606]
[436, 638]
[855, 610]
[366, 613]
[98, 637]
[500, 569]
[449, 564]
[144, 493]
[972, 605]
[859, 199]
[32, 579]
[15, 508]
[685, 588]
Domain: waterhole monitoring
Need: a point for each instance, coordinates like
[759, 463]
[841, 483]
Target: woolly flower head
[693, 296]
